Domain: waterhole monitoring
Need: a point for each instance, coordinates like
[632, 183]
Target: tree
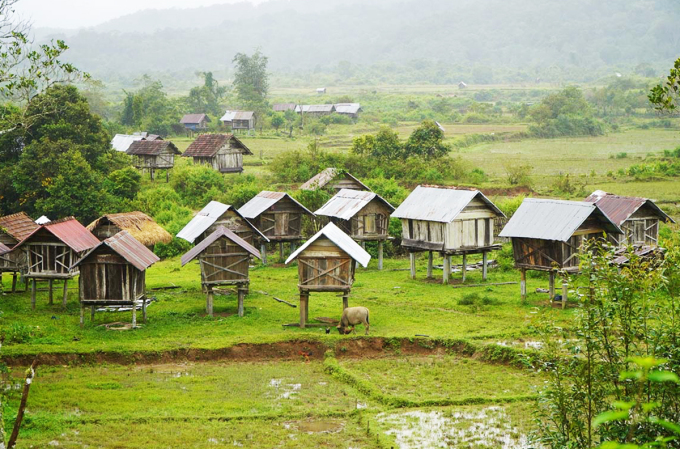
[251, 82]
[666, 97]
[427, 141]
[26, 71]
[149, 108]
[277, 121]
[206, 98]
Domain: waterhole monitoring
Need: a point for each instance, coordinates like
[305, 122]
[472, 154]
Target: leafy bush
[18, 333]
[193, 182]
[518, 174]
[124, 183]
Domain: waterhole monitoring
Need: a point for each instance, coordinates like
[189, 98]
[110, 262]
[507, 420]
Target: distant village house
[334, 179]
[223, 152]
[152, 155]
[195, 122]
[239, 120]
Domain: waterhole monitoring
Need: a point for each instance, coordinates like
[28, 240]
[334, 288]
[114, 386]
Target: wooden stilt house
[139, 225]
[13, 229]
[223, 152]
[152, 155]
[326, 263]
[547, 236]
[224, 258]
[216, 214]
[451, 221]
[278, 216]
[52, 250]
[638, 218]
[334, 179]
[365, 216]
[113, 273]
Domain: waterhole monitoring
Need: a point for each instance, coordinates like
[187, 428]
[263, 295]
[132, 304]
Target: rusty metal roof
[325, 176]
[620, 208]
[69, 231]
[347, 203]
[553, 219]
[207, 217]
[18, 226]
[151, 147]
[206, 145]
[263, 201]
[128, 248]
[194, 118]
[440, 204]
[342, 240]
[220, 232]
[4, 249]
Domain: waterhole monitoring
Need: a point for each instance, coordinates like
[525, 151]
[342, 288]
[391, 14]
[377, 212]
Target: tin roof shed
[347, 203]
[206, 218]
[128, 248]
[439, 204]
[342, 240]
[212, 238]
[263, 201]
[620, 208]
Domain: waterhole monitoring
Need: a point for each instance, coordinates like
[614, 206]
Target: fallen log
[285, 302]
[483, 285]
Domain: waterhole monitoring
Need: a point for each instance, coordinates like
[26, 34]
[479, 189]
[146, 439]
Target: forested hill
[309, 34]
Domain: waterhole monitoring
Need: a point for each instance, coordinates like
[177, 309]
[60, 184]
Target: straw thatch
[138, 224]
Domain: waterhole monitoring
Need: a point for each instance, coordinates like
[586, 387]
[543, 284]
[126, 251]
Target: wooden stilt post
[345, 301]
[25, 284]
[293, 247]
[144, 308]
[92, 313]
[209, 301]
[167, 176]
[241, 295]
[429, 264]
[82, 314]
[485, 257]
[134, 316]
[281, 251]
[263, 253]
[447, 269]
[464, 270]
[551, 285]
[304, 300]
[51, 284]
[523, 284]
[33, 290]
[14, 282]
[380, 255]
[565, 292]
[412, 258]
[65, 298]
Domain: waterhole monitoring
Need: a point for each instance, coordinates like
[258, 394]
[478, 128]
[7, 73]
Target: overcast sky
[84, 13]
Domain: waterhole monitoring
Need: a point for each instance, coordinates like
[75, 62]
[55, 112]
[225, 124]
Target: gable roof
[207, 145]
[42, 220]
[322, 178]
[151, 147]
[620, 208]
[127, 247]
[193, 118]
[347, 108]
[347, 203]
[69, 231]
[230, 116]
[553, 219]
[263, 201]
[441, 204]
[221, 231]
[207, 217]
[283, 107]
[18, 226]
[4, 249]
[139, 225]
[307, 108]
[342, 240]
[121, 142]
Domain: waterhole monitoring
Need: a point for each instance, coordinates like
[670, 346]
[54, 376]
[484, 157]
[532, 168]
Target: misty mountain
[307, 34]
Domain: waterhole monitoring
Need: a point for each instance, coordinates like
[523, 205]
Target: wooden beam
[51, 290]
[209, 301]
[33, 289]
[412, 259]
[263, 253]
[65, 297]
[464, 268]
[551, 285]
[485, 257]
[565, 291]
[429, 264]
[380, 255]
[447, 269]
[523, 284]
[241, 295]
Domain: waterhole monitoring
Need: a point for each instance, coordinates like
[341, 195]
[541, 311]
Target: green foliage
[566, 113]
[665, 97]
[566, 185]
[509, 205]
[124, 183]
[149, 108]
[197, 184]
[251, 81]
[427, 141]
[518, 174]
[206, 98]
[17, 333]
[278, 120]
[389, 189]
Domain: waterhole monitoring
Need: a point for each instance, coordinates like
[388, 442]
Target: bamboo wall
[108, 277]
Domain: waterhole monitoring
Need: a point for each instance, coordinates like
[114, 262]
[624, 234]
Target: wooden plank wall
[324, 265]
[371, 222]
[224, 261]
[108, 277]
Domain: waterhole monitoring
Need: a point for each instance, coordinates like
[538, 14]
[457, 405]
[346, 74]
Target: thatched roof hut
[139, 225]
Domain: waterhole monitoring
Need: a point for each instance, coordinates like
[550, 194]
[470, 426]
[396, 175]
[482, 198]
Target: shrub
[192, 183]
[518, 174]
[124, 183]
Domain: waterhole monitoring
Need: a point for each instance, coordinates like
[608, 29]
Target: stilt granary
[365, 216]
[278, 216]
[139, 225]
[638, 218]
[214, 215]
[448, 220]
[223, 152]
[52, 250]
[13, 229]
[547, 236]
[152, 155]
[113, 273]
[326, 263]
[224, 258]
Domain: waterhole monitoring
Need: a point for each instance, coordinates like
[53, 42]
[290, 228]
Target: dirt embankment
[286, 350]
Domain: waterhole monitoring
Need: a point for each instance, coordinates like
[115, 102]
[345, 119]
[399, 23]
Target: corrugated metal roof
[121, 142]
[320, 180]
[69, 231]
[128, 248]
[230, 116]
[620, 208]
[347, 203]
[307, 108]
[4, 249]
[221, 231]
[42, 220]
[206, 145]
[207, 217]
[439, 204]
[18, 226]
[552, 219]
[283, 107]
[347, 108]
[263, 201]
[193, 118]
[151, 147]
[344, 242]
